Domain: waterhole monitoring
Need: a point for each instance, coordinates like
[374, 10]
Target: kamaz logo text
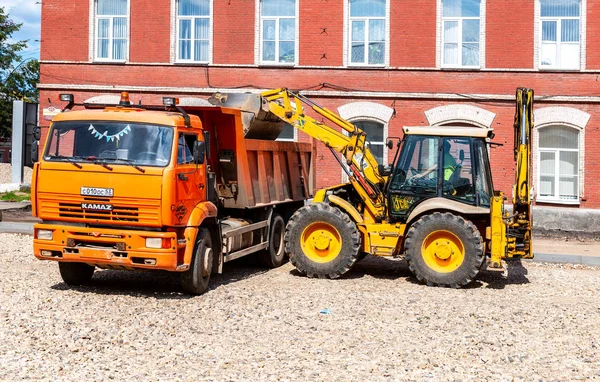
[96, 207]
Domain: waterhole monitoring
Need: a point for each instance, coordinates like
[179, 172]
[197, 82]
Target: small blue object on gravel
[325, 311]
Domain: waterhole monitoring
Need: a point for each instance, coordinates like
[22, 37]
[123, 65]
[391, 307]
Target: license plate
[91, 191]
[96, 207]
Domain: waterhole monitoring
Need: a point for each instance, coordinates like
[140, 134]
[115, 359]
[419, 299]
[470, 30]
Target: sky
[26, 12]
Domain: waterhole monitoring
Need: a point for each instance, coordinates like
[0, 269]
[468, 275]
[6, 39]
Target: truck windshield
[118, 142]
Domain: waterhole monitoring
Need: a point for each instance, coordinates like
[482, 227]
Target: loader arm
[362, 171]
[511, 234]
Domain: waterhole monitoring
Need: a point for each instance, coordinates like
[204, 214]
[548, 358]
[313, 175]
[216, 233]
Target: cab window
[185, 148]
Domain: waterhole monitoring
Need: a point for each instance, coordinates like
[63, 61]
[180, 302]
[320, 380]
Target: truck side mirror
[390, 144]
[207, 143]
[199, 152]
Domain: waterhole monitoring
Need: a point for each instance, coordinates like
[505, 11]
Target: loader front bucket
[258, 123]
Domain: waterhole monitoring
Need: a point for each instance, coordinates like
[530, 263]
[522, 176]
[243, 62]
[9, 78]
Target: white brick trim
[562, 116]
[257, 32]
[366, 110]
[369, 111]
[173, 22]
[460, 113]
[92, 31]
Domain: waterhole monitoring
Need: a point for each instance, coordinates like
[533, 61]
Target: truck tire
[75, 273]
[322, 241]
[443, 249]
[274, 256]
[196, 279]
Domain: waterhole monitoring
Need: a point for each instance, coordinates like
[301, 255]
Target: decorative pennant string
[109, 138]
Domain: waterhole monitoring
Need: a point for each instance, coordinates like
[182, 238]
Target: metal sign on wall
[25, 137]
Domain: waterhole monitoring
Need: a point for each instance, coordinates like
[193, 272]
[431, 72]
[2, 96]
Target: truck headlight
[153, 242]
[44, 234]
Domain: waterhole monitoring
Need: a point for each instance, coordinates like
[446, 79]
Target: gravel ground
[539, 323]
[6, 174]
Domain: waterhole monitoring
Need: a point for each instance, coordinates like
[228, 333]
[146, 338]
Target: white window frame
[94, 35]
[556, 151]
[259, 35]
[558, 43]
[538, 37]
[193, 21]
[294, 139]
[442, 38]
[347, 57]
[570, 118]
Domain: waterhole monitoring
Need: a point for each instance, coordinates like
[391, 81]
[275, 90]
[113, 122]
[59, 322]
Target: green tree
[18, 76]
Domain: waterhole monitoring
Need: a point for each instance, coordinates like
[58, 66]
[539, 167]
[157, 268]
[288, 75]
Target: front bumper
[109, 248]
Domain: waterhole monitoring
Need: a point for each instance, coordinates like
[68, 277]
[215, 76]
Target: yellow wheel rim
[443, 251]
[321, 242]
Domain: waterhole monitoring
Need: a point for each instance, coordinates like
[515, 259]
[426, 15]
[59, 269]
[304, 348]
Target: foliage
[15, 196]
[18, 76]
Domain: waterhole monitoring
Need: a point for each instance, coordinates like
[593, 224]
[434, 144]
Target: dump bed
[255, 172]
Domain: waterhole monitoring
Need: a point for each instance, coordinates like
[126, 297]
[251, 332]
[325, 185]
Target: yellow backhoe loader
[435, 205]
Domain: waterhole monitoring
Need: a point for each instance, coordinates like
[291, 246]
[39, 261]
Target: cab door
[190, 178]
[415, 177]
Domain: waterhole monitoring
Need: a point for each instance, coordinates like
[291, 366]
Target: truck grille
[70, 210]
[125, 211]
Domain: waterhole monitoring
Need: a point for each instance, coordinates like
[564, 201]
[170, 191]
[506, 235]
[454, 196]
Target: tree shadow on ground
[159, 284]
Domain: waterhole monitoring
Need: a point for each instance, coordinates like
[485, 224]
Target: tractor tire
[75, 273]
[322, 241]
[443, 249]
[274, 255]
[196, 279]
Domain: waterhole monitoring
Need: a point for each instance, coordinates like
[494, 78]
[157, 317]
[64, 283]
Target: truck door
[190, 180]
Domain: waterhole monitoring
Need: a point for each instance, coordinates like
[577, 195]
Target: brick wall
[509, 45]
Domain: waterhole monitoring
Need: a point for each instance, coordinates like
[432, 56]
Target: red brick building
[381, 63]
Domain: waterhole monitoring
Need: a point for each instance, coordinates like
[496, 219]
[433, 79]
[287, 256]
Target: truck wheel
[75, 273]
[195, 280]
[443, 249]
[322, 241]
[274, 256]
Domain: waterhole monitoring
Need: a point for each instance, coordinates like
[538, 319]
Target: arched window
[558, 164]
[376, 137]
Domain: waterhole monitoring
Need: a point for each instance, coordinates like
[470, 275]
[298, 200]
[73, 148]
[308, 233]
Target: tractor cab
[451, 163]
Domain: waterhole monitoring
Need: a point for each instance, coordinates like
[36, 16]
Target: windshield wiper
[97, 161]
[130, 163]
[68, 159]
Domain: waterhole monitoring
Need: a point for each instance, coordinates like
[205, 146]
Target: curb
[27, 229]
[566, 259]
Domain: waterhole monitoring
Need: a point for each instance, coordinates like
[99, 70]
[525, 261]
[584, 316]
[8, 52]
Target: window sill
[366, 66]
[110, 62]
[192, 63]
[459, 68]
[277, 65]
[558, 70]
[558, 201]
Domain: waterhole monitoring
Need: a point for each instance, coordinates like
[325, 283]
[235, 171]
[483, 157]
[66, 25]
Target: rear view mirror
[385, 169]
[390, 144]
[199, 152]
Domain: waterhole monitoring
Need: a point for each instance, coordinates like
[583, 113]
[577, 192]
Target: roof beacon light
[170, 101]
[66, 98]
[124, 99]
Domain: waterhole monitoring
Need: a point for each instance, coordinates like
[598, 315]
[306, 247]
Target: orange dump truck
[164, 188]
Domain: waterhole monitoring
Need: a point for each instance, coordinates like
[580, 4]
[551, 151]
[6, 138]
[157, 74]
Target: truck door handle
[182, 177]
